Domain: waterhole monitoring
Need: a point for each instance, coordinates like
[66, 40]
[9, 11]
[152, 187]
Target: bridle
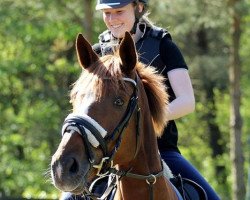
[79, 124]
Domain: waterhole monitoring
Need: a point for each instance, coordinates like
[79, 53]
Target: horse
[119, 110]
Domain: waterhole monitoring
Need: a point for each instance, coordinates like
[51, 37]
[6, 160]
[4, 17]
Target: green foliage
[37, 67]
[201, 30]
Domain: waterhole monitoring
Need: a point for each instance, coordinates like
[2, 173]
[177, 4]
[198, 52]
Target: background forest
[38, 65]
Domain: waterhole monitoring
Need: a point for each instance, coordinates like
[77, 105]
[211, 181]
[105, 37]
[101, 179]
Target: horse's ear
[128, 53]
[85, 54]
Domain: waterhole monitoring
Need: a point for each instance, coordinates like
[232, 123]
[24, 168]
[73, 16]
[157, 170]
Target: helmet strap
[138, 16]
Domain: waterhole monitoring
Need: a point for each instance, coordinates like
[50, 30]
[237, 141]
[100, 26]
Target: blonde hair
[145, 19]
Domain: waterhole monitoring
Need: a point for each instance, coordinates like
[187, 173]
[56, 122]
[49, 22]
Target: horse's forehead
[83, 104]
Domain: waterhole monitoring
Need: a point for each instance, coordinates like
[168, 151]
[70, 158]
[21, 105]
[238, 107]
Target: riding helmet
[104, 4]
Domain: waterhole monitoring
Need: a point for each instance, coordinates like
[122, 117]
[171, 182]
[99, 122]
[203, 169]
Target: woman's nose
[111, 17]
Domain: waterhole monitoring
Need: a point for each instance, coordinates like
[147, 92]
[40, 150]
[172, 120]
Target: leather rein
[105, 167]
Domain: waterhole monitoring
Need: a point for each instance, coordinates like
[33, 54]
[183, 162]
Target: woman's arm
[182, 87]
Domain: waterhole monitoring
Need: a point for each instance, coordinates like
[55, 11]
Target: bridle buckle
[151, 180]
[100, 166]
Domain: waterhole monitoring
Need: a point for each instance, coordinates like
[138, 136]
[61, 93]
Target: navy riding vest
[149, 54]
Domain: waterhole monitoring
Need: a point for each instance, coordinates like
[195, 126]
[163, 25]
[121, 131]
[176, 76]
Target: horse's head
[104, 126]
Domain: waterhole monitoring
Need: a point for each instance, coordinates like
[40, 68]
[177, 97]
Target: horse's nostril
[74, 167]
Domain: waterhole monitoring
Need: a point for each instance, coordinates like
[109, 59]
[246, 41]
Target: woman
[155, 47]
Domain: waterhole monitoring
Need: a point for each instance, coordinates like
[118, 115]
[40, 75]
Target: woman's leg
[179, 165]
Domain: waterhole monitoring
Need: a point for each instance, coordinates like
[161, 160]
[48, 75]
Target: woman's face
[119, 20]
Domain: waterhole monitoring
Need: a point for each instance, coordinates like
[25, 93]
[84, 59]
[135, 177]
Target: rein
[150, 179]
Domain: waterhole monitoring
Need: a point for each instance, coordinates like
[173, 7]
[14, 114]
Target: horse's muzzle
[68, 174]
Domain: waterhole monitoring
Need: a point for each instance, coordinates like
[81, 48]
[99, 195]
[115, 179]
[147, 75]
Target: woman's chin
[118, 34]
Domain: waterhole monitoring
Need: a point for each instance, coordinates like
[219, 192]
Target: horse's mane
[108, 67]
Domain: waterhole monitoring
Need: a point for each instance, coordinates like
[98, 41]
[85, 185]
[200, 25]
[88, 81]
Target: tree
[88, 19]
[236, 152]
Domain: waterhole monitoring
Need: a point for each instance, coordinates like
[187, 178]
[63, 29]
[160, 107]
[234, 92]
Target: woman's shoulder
[164, 37]
[171, 54]
[159, 32]
[167, 44]
[156, 32]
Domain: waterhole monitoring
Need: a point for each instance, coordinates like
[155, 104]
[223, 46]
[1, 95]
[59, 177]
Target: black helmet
[104, 4]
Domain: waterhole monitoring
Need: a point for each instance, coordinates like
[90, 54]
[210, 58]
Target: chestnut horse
[119, 110]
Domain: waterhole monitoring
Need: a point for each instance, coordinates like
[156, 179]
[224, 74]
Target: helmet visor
[105, 4]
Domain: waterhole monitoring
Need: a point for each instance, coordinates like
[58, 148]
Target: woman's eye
[107, 14]
[118, 102]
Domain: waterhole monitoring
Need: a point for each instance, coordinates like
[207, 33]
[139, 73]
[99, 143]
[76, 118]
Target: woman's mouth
[116, 26]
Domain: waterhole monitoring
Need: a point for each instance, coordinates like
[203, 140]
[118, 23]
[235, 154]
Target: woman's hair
[145, 19]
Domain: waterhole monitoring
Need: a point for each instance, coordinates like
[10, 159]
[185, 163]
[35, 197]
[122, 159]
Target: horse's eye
[119, 102]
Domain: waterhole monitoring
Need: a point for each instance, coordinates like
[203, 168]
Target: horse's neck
[146, 162]
[128, 189]
[148, 159]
